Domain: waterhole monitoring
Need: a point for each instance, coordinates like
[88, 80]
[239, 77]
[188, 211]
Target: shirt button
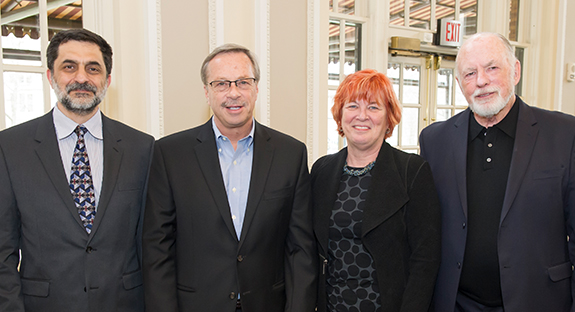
[235, 162]
[233, 217]
[489, 160]
[489, 145]
[224, 139]
[219, 150]
[234, 190]
[232, 295]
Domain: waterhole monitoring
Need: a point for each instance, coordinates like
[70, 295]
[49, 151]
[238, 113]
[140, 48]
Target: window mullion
[406, 13]
[2, 108]
[43, 17]
[341, 49]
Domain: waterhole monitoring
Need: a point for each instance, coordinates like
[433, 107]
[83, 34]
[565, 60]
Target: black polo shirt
[489, 152]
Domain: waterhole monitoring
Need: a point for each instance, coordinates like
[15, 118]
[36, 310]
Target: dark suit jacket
[400, 226]
[535, 259]
[63, 268]
[193, 260]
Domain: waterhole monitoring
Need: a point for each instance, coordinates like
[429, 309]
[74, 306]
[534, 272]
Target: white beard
[488, 109]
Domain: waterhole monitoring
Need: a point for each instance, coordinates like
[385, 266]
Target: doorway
[428, 92]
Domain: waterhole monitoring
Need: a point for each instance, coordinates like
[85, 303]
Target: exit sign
[448, 33]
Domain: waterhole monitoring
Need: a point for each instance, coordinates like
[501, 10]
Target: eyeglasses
[224, 85]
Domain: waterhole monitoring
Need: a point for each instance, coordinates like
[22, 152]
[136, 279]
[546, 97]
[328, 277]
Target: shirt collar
[65, 126]
[219, 134]
[508, 124]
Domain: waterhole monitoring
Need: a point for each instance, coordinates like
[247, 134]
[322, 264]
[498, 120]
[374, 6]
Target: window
[514, 20]
[27, 27]
[518, 42]
[345, 56]
[423, 14]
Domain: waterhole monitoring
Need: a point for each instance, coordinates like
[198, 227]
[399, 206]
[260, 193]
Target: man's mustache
[84, 86]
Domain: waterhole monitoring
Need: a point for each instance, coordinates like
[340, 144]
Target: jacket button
[89, 249]
[464, 225]
[459, 265]
[240, 258]
[232, 295]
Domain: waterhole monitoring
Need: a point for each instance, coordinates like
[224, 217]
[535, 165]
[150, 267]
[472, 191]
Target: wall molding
[216, 23]
[313, 77]
[155, 88]
[262, 50]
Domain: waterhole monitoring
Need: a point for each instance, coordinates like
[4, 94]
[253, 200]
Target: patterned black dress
[351, 280]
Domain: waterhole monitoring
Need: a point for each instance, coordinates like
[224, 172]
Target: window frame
[343, 19]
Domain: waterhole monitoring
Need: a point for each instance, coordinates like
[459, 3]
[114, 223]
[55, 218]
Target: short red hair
[372, 87]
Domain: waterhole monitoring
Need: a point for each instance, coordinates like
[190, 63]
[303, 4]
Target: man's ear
[49, 76]
[517, 73]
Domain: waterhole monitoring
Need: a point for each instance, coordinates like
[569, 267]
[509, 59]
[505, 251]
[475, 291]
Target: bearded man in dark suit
[72, 191]
[505, 174]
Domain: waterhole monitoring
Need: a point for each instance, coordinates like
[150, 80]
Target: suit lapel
[49, 153]
[112, 159]
[525, 138]
[261, 164]
[325, 186]
[459, 139]
[208, 161]
[387, 192]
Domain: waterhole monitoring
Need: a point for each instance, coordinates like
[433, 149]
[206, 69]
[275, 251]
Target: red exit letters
[452, 32]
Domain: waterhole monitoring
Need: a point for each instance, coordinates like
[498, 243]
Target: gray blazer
[63, 268]
[538, 213]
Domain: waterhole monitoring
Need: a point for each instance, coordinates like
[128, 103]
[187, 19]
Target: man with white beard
[505, 175]
[72, 187]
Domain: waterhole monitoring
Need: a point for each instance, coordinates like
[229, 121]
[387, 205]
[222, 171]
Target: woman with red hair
[376, 212]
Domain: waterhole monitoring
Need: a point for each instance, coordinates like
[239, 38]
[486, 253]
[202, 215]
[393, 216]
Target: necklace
[358, 172]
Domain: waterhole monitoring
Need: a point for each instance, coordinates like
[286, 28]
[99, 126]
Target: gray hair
[230, 48]
[509, 54]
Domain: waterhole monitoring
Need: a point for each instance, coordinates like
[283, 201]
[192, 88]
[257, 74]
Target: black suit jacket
[63, 268]
[535, 258]
[400, 226]
[193, 260]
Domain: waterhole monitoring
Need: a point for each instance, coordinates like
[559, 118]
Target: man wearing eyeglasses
[228, 218]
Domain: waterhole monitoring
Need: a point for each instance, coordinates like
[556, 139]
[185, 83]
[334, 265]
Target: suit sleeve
[422, 150]
[423, 218]
[159, 240]
[10, 285]
[301, 252]
[139, 231]
[570, 213]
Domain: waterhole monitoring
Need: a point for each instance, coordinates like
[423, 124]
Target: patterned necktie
[81, 184]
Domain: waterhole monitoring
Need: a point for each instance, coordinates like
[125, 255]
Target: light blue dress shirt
[236, 169]
[94, 146]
